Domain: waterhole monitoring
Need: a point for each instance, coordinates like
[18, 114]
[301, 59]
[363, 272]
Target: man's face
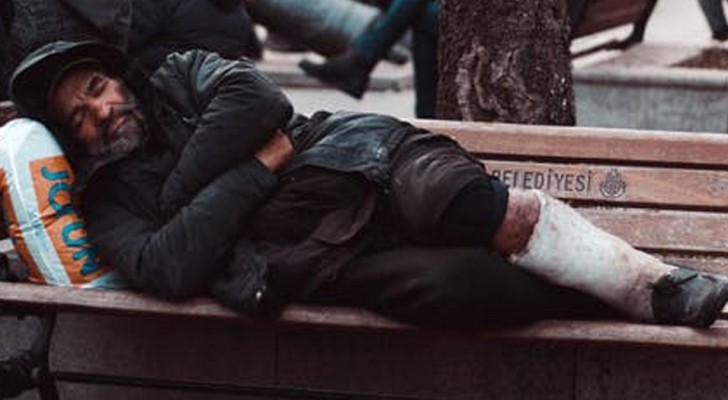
[99, 111]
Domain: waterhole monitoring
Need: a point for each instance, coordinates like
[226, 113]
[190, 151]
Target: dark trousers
[401, 15]
[714, 14]
[421, 256]
[441, 273]
[453, 287]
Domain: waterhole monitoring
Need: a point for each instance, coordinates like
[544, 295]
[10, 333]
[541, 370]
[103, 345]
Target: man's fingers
[276, 153]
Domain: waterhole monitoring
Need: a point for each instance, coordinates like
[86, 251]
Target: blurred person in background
[161, 27]
[350, 71]
[715, 15]
[148, 30]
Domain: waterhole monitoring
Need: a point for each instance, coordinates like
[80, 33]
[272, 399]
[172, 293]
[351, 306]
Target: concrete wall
[440, 366]
[640, 89]
[678, 99]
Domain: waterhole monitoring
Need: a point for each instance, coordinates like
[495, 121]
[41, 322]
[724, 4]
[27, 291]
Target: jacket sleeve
[236, 110]
[177, 258]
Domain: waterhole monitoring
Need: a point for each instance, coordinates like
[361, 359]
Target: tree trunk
[505, 61]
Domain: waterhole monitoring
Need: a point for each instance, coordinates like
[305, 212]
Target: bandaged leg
[568, 250]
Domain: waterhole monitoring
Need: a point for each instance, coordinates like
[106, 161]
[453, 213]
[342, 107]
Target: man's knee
[521, 216]
[450, 294]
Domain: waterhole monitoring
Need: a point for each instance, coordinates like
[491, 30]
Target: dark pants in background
[422, 17]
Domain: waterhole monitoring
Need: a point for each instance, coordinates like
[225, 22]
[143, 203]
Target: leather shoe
[348, 72]
[688, 297]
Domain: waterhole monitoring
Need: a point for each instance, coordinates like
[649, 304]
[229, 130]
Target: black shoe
[398, 55]
[348, 72]
[721, 35]
[690, 298]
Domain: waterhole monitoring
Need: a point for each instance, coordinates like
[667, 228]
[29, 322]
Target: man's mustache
[113, 123]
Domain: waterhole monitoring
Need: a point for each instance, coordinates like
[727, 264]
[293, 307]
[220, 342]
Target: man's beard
[122, 133]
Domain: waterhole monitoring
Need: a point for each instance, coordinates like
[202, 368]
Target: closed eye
[95, 85]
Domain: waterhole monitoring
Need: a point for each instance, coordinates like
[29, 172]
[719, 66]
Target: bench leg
[30, 369]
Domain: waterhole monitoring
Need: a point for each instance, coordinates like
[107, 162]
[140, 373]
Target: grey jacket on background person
[149, 30]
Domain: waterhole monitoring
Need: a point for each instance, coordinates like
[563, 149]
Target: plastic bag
[36, 182]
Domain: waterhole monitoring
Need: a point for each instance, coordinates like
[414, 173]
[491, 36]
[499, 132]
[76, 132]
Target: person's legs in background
[715, 15]
[424, 52]
[374, 44]
[350, 71]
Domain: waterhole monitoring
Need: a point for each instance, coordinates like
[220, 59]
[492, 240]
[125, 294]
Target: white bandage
[568, 250]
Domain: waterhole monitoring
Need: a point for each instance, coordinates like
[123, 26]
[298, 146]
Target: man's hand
[276, 153]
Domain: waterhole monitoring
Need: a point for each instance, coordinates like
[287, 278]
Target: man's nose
[102, 108]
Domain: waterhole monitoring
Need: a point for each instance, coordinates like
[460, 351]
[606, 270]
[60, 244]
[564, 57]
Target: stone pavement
[673, 21]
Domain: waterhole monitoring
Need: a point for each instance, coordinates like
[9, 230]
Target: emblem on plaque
[613, 186]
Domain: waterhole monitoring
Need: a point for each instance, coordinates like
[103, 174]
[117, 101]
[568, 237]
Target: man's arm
[236, 110]
[178, 258]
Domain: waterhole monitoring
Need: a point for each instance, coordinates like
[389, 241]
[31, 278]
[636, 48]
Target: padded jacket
[173, 215]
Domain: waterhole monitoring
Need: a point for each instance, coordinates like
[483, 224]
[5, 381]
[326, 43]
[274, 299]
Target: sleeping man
[201, 179]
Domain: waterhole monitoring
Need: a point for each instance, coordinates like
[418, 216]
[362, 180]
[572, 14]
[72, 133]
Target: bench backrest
[665, 192]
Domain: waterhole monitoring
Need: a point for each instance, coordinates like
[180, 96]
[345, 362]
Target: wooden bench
[592, 16]
[665, 192]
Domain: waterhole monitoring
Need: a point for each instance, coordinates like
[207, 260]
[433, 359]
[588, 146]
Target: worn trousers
[420, 256]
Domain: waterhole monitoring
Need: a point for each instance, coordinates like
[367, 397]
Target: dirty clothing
[177, 249]
[193, 212]
[339, 216]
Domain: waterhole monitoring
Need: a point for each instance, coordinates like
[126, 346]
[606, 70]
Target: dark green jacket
[169, 215]
[173, 216]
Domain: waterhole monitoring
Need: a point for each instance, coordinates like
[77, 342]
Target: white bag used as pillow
[36, 181]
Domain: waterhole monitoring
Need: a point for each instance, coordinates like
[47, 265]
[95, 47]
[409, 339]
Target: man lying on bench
[200, 179]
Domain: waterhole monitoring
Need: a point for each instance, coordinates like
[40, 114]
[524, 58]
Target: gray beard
[131, 135]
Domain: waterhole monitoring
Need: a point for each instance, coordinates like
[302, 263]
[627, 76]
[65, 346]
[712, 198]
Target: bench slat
[120, 302]
[710, 264]
[618, 185]
[525, 142]
[676, 231]
[567, 332]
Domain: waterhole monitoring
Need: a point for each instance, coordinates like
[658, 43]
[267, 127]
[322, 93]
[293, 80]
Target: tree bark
[505, 61]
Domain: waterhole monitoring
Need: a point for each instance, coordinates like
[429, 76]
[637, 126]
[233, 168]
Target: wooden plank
[592, 333]
[525, 142]
[659, 230]
[120, 302]
[618, 185]
[41, 297]
[701, 263]
[552, 331]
